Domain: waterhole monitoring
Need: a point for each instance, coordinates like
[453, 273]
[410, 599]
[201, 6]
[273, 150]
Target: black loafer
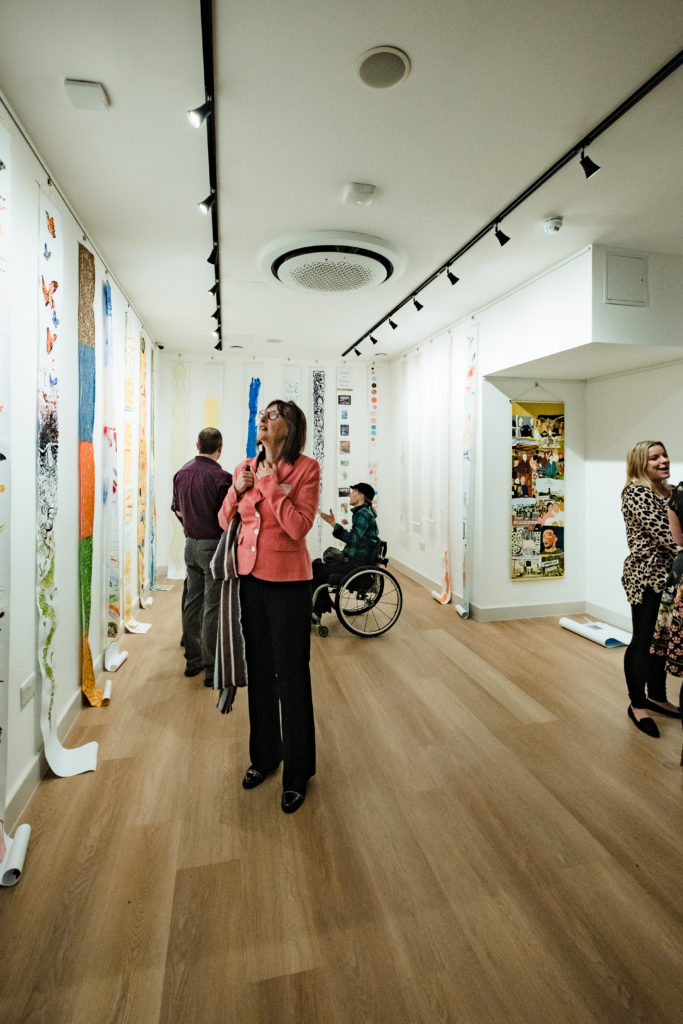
[190, 671]
[651, 706]
[292, 801]
[253, 777]
[645, 725]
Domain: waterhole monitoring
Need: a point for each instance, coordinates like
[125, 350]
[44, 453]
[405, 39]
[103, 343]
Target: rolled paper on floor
[113, 657]
[15, 855]
[599, 632]
[462, 611]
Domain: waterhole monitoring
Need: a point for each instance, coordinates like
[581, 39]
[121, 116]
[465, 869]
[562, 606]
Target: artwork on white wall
[291, 383]
[468, 450]
[537, 465]
[113, 656]
[144, 599]
[180, 419]
[344, 437]
[94, 694]
[12, 849]
[318, 381]
[50, 257]
[373, 410]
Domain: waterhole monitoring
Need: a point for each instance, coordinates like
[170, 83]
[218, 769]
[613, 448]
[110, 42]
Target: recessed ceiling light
[382, 67]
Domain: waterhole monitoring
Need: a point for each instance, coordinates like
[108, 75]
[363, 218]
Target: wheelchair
[367, 598]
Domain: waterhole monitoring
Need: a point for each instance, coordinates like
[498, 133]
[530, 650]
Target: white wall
[620, 411]
[658, 323]
[550, 314]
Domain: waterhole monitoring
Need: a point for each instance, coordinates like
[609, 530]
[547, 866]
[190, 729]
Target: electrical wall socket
[27, 691]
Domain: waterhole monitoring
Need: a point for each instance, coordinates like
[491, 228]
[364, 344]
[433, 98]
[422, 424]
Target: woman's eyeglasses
[268, 414]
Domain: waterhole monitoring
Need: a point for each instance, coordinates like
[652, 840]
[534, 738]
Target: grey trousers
[200, 608]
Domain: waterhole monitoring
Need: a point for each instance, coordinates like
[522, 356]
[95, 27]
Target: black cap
[366, 490]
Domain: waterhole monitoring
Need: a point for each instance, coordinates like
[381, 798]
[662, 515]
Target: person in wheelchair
[360, 544]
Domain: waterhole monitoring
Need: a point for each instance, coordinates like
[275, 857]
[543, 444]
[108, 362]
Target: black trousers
[640, 667]
[276, 622]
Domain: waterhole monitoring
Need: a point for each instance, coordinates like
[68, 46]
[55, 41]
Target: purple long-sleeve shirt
[199, 488]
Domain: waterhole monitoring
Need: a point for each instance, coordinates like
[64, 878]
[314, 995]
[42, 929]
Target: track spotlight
[217, 314]
[198, 116]
[589, 166]
[393, 325]
[207, 203]
[501, 236]
[451, 276]
[357, 350]
[214, 254]
[214, 290]
[374, 340]
[219, 346]
[216, 332]
[418, 305]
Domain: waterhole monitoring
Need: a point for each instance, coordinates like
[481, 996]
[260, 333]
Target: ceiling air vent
[331, 262]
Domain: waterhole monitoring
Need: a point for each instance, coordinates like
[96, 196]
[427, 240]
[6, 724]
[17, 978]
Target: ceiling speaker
[383, 67]
[331, 261]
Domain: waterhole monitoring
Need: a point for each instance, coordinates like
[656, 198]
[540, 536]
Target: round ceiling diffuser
[331, 262]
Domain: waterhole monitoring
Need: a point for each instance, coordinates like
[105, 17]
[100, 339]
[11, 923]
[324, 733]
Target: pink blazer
[277, 513]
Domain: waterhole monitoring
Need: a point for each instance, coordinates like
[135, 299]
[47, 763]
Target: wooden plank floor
[488, 839]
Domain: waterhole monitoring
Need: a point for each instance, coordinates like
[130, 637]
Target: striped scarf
[231, 666]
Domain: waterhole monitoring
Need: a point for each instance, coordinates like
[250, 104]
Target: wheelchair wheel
[368, 601]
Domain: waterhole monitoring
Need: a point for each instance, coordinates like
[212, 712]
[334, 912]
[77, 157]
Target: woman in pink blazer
[276, 495]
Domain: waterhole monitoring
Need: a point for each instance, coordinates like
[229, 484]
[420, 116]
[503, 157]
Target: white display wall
[230, 376]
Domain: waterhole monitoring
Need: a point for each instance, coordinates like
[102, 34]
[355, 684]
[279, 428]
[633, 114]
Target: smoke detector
[331, 261]
[552, 225]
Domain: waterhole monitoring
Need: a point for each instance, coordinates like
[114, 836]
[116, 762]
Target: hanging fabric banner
[154, 582]
[12, 850]
[468, 451]
[319, 437]
[444, 428]
[254, 391]
[373, 406]
[179, 447]
[50, 256]
[113, 657]
[344, 436]
[131, 455]
[291, 383]
[537, 462]
[213, 395]
[94, 694]
[145, 602]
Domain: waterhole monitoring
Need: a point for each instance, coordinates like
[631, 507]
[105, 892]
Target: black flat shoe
[292, 801]
[253, 777]
[189, 671]
[645, 725]
[652, 706]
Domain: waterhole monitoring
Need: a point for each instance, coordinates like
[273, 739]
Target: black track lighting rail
[664, 72]
[206, 7]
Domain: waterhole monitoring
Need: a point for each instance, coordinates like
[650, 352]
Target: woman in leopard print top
[644, 504]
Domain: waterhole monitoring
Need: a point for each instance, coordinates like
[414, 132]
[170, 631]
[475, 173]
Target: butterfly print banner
[60, 760]
[145, 602]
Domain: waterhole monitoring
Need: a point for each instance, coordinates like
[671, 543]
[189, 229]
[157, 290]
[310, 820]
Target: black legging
[640, 666]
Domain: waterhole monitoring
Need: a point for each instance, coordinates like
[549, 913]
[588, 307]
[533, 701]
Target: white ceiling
[498, 91]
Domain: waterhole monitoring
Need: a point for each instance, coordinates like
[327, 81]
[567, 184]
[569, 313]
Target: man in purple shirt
[199, 488]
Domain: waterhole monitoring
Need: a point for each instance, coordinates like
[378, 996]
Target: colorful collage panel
[537, 491]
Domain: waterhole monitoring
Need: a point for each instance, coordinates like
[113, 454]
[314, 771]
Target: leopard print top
[650, 544]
